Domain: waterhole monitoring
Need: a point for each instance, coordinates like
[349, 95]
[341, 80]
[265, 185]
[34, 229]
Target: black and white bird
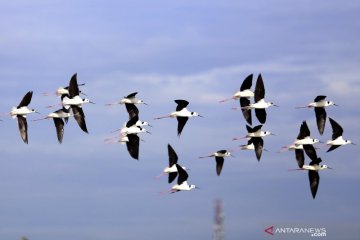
[313, 169]
[260, 104]
[181, 114]
[58, 117]
[20, 112]
[244, 95]
[219, 158]
[131, 99]
[255, 138]
[133, 127]
[304, 137]
[74, 101]
[337, 139]
[171, 170]
[182, 184]
[319, 105]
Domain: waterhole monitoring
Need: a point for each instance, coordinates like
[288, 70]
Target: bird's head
[196, 114]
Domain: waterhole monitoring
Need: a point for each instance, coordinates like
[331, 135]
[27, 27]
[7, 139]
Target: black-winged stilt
[181, 114]
[20, 113]
[337, 139]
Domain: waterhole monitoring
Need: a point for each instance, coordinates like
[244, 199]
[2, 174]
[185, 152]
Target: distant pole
[218, 221]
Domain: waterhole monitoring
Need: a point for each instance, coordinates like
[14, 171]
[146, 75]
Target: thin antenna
[218, 221]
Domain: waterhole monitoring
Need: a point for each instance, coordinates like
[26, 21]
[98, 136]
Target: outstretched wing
[26, 99]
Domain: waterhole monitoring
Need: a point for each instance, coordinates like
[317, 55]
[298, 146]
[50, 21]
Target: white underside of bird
[306, 141]
[246, 94]
[20, 111]
[183, 187]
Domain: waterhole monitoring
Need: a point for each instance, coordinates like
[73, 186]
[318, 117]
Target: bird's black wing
[254, 129]
[314, 180]
[320, 119]
[219, 164]
[304, 131]
[337, 129]
[132, 110]
[244, 102]
[181, 124]
[79, 117]
[181, 104]
[132, 121]
[333, 147]
[26, 99]
[247, 83]
[131, 95]
[59, 125]
[310, 152]
[261, 115]
[172, 176]
[22, 123]
[173, 158]
[319, 98]
[258, 144]
[73, 86]
[299, 154]
[133, 145]
[183, 176]
[259, 89]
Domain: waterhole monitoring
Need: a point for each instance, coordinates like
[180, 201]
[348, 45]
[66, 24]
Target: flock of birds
[71, 106]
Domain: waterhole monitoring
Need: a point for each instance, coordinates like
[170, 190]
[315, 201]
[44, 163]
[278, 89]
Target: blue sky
[195, 50]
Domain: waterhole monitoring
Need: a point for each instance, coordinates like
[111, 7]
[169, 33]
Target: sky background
[200, 51]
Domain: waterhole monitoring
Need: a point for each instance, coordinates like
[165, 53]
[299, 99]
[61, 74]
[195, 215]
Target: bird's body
[304, 137]
[182, 114]
[319, 105]
[219, 158]
[182, 184]
[337, 138]
[131, 99]
[20, 112]
[23, 111]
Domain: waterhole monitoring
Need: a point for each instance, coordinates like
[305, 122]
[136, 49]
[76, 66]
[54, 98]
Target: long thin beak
[150, 125]
[353, 143]
[37, 112]
[91, 102]
[336, 105]
[272, 134]
[276, 105]
[148, 132]
[146, 104]
[83, 94]
[197, 187]
[231, 155]
[201, 116]
[330, 168]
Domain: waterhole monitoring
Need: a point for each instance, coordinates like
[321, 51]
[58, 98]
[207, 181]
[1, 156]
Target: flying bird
[130, 99]
[181, 114]
[304, 137]
[74, 101]
[337, 139]
[313, 169]
[255, 138]
[182, 184]
[319, 105]
[219, 158]
[171, 170]
[58, 117]
[244, 95]
[260, 104]
[20, 112]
